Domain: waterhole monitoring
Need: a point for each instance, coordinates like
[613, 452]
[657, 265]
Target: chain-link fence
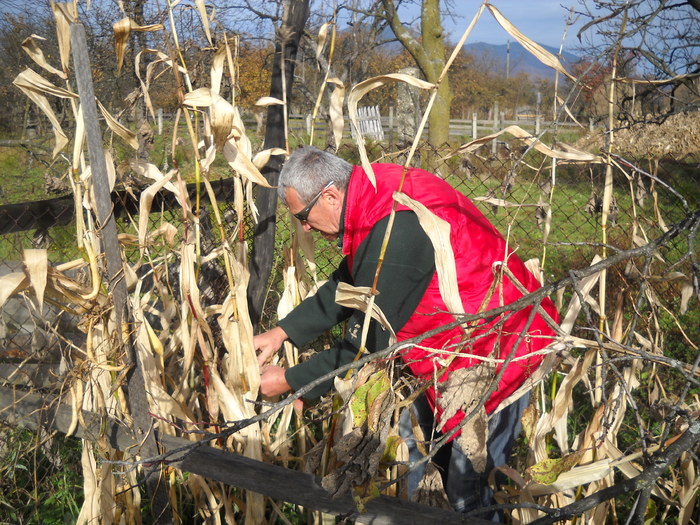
[515, 192]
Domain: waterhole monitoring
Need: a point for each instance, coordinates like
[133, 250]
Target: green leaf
[392, 448]
[366, 394]
[547, 471]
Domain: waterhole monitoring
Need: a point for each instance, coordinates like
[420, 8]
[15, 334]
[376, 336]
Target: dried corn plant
[187, 318]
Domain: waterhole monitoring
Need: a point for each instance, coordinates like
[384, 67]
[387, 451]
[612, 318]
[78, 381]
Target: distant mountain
[520, 59]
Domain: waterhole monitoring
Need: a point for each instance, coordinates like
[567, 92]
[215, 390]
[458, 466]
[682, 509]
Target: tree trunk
[294, 19]
[429, 55]
[434, 45]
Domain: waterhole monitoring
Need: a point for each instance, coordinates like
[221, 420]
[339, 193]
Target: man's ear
[335, 196]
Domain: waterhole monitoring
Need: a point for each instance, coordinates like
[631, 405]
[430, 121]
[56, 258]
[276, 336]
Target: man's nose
[306, 226]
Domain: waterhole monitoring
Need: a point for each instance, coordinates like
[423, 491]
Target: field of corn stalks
[167, 342]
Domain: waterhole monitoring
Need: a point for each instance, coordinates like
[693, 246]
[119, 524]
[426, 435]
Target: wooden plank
[279, 483]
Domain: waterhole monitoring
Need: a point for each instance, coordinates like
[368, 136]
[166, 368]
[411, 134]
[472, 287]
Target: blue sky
[541, 20]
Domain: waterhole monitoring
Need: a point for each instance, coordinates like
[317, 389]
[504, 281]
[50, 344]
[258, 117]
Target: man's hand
[273, 383]
[267, 343]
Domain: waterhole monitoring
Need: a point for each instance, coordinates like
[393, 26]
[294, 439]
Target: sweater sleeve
[318, 313]
[408, 268]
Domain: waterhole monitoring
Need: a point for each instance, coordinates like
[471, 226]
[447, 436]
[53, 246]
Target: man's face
[324, 216]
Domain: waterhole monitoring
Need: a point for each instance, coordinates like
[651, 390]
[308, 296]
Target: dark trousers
[466, 489]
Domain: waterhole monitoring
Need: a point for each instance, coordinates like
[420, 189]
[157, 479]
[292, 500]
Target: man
[338, 200]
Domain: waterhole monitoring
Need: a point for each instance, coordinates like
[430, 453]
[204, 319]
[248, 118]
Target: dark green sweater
[408, 267]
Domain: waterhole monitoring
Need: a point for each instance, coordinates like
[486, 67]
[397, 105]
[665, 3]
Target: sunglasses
[303, 215]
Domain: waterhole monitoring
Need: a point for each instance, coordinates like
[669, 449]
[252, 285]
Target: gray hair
[309, 169]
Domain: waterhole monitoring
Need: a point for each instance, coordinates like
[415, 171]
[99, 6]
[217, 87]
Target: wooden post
[391, 125]
[537, 124]
[160, 121]
[475, 124]
[116, 286]
[494, 127]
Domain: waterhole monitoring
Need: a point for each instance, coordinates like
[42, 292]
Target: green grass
[39, 484]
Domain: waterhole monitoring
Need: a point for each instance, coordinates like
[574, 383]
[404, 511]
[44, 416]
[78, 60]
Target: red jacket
[476, 245]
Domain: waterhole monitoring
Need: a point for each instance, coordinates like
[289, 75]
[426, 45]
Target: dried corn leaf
[321, 40]
[122, 30]
[438, 230]
[222, 114]
[504, 203]
[11, 284]
[243, 143]
[686, 287]
[65, 14]
[359, 91]
[243, 165]
[584, 287]
[217, 69]
[31, 46]
[202, 10]
[90, 511]
[30, 79]
[263, 157]
[570, 154]
[145, 202]
[560, 409]
[151, 171]
[159, 400]
[36, 87]
[535, 49]
[305, 240]
[335, 110]
[36, 263]
[269, 101]
[120, 130]
[358, 298]
[562, 104]
[533, 266]
[201, 97]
